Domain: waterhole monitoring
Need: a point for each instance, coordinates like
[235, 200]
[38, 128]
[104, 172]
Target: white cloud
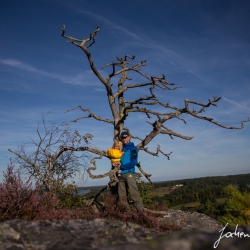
[20, 65]
[110, 23]
[237, 104]
[87, 78]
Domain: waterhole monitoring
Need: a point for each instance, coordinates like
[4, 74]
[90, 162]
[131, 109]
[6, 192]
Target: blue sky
[203, 46]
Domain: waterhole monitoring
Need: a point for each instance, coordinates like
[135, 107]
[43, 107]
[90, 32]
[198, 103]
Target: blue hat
[124, 134]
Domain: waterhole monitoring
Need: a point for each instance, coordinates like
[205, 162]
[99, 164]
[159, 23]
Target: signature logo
[229, 235]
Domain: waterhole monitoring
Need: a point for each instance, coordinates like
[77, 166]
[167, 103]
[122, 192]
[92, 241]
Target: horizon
[174, 179]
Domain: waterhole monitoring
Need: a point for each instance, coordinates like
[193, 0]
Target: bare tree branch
[94, 168]
[158, 150]
[209, 119]
[88, 116]
[50, 166]
[144, 173]
[79, 149]
[130, 86]
[36, 169]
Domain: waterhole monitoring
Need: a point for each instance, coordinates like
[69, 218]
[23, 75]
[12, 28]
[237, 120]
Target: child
[114, 154]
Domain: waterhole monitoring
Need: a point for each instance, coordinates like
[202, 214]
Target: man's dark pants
[128, 181]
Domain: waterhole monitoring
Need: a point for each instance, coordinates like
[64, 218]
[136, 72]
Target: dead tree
[121, 107]
[49, 165]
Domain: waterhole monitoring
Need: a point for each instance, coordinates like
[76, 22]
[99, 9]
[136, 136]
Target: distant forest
[201, 189]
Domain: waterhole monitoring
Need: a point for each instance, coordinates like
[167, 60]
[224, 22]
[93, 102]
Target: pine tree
[237, 207]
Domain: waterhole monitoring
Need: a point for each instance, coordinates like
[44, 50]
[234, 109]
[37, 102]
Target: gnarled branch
[158, 150]
[96, 117]
[144, 173]
[209, 119]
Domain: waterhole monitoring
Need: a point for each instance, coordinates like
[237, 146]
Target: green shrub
[148, 194]
[68, 197]
[237, 207]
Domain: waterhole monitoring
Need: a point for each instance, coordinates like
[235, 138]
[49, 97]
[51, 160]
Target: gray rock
[191, 220]
[198, 240]
[74, 234]
[111, 235]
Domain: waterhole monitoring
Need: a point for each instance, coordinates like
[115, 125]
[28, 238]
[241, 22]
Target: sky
[203, 46]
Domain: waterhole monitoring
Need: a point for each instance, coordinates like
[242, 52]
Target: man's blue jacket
[129, 158]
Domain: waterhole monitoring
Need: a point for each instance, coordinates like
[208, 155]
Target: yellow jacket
[114, 154]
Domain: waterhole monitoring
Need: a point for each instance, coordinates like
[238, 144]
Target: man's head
[125, 138]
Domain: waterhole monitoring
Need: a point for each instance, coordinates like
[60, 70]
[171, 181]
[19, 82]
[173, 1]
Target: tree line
[201, 189]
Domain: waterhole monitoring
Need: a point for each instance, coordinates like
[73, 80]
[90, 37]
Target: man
[127, 180]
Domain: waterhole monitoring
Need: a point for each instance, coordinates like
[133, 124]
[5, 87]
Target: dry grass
[162, 191]
[221, 200]
[192, 204]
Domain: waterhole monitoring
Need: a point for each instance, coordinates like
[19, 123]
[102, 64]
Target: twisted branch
[144, 173]
[80, 42]
[158, 150]
[96, 117]
[210, 102]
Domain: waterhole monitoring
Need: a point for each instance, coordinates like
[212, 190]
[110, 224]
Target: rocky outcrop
[101, 234]
[190, 220]
[74, 234]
